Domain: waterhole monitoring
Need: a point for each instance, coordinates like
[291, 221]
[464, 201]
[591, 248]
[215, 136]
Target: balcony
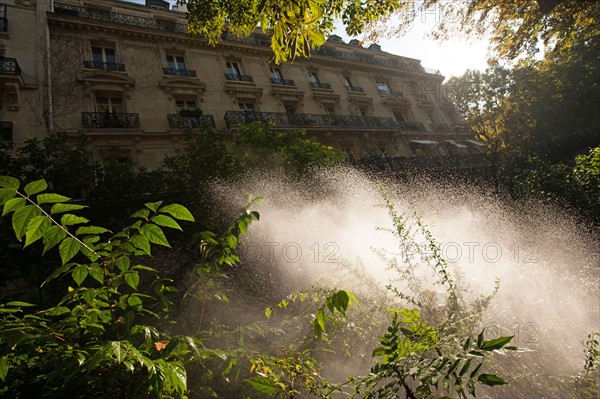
[9, 66]
[355, 89]
[238, 78]
[110, 120]
[283, 82]
[321, 86]
[233, 118]
[107, 66]
[3, 24]
[6, 131]
[113, 17]
[192, 121]
[179, 72]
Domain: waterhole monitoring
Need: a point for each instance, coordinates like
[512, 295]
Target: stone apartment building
[131, 80]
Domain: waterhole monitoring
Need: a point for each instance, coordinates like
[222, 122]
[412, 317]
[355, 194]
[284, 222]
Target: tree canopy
[296, 26]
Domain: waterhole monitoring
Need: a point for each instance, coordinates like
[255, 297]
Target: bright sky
[451, 57]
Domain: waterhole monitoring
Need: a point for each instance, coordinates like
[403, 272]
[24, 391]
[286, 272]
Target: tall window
[276, 73]
[383, 87]
[3, 20]
[185, 105]
[246, 106]
[313, 78]
[104, 55]
[347, 83]
[113, 104]
[176, 63]
[290, 108]
[247, 112]
[233, 69]
[398, 115]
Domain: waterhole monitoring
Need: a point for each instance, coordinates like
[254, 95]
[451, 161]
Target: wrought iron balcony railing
[283, 82]
[6, 131]
[182, 121]
[179, 72]
[239, 78]
[355, 89]
[319, 85]
[9, 66]
[110, 120]
[108, 66]
[117, 18]
[233, 118]
[3, 24]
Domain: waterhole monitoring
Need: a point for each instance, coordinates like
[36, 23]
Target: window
[246, 107]
[348, 83]
[383, 87]
[364, 111]
[330, 109]
[247, 112]
[175, 63]
[104, 55]
[233, 69]
[185, 105]
[314, 79]
[290, 108]
[3, 20]
[276, 74]
[398, 115]
[113, 104]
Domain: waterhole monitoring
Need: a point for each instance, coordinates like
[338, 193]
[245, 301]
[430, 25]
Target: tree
[516, 26]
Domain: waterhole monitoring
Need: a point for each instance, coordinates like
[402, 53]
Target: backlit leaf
[69, 219]
[68, 249]
[79, 274]
[166, 221]
[154, 234]
[132, 279]
[12, 205]
[9, 182]
[497, 343]
[178, 212]
[263, 385]
[36, 228]
[22, 217]
[60, 208]
[53, 236]
[36, 187]
[51, 198]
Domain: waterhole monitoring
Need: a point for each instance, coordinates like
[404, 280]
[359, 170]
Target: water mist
[547, 264]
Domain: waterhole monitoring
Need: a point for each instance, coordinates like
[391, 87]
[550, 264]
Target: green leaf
[480, 338]
[122, 263]
[476, 370]
[19, 303]
[378, 352]
[69, 220]
[142, 213]
[60, 208]
[12, 205]
[340, 301]
[166, 221]
[3, 367]
[96, 272]
[36, 228]
[154, 234]
[490, 379]
[21, 219]
[496, 343]
[465, 368]
[117, 350]
[79, 274]
[36, 187]
[51, 198]
[263, 385]
[140, 242]
[178, 212]
[153, 206]
[268, 312]
[320, 318]
[6, 194]
[53, 236]
[68, 249]
[9, 182]
[57, 272]
[132, 278]
[91, 230]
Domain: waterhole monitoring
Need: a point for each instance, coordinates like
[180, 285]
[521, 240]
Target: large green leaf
[54, 235]
[69, 219]
[263, 385]
[36, 187]
[21, 219]
[140, 242]
[3, 368]
[51, 198]
[60, 208]
[91, 230]
[36, 228]
[132, 278]
[9, 182]
[12, 205]
[166, 221]
[79, 274]
[6, 194]
[154, 234]
[68, 249]
[497, 343]
[490, 379]
[177, 211]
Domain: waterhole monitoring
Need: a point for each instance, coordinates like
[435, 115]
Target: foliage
[517, 27]
[96, 332]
